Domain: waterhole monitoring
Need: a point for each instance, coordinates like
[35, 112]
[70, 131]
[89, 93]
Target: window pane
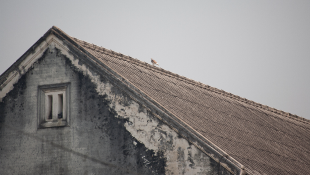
[49, 106]
[60, 106]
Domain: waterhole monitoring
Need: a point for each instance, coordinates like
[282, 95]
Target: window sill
[51, 124]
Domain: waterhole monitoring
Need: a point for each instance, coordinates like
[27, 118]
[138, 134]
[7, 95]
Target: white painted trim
[50, 42]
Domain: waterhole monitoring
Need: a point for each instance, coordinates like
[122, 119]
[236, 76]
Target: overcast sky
[257, 49]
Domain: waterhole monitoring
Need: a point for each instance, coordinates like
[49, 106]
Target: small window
[53, 105]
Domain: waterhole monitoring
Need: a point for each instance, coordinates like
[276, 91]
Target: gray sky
[259, 49]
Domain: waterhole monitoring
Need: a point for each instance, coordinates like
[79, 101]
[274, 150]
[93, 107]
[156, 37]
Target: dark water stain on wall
[124, 149]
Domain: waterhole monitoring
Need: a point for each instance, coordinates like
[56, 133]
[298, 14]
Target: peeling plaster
[148, 130]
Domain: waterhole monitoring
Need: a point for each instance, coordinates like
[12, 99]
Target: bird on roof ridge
[154, 62]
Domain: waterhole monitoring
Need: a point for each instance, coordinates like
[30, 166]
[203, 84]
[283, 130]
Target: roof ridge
[190, 81]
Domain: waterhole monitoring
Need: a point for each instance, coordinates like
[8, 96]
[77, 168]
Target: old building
[71, 107]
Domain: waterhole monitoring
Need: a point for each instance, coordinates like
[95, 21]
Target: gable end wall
[108, 131]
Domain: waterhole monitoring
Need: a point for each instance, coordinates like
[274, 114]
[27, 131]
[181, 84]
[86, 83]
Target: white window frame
[53, 105]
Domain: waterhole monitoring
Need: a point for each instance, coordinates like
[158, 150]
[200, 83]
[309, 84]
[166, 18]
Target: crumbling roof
[263, 139]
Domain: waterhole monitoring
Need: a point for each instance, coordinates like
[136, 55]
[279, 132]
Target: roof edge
[167, 117]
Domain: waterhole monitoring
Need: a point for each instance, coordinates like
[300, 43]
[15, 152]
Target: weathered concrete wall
[108, 132]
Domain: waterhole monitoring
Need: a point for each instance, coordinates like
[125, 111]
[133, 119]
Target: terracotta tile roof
[265, 140]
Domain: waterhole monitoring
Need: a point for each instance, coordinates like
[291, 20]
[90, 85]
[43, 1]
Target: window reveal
[53, 105]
